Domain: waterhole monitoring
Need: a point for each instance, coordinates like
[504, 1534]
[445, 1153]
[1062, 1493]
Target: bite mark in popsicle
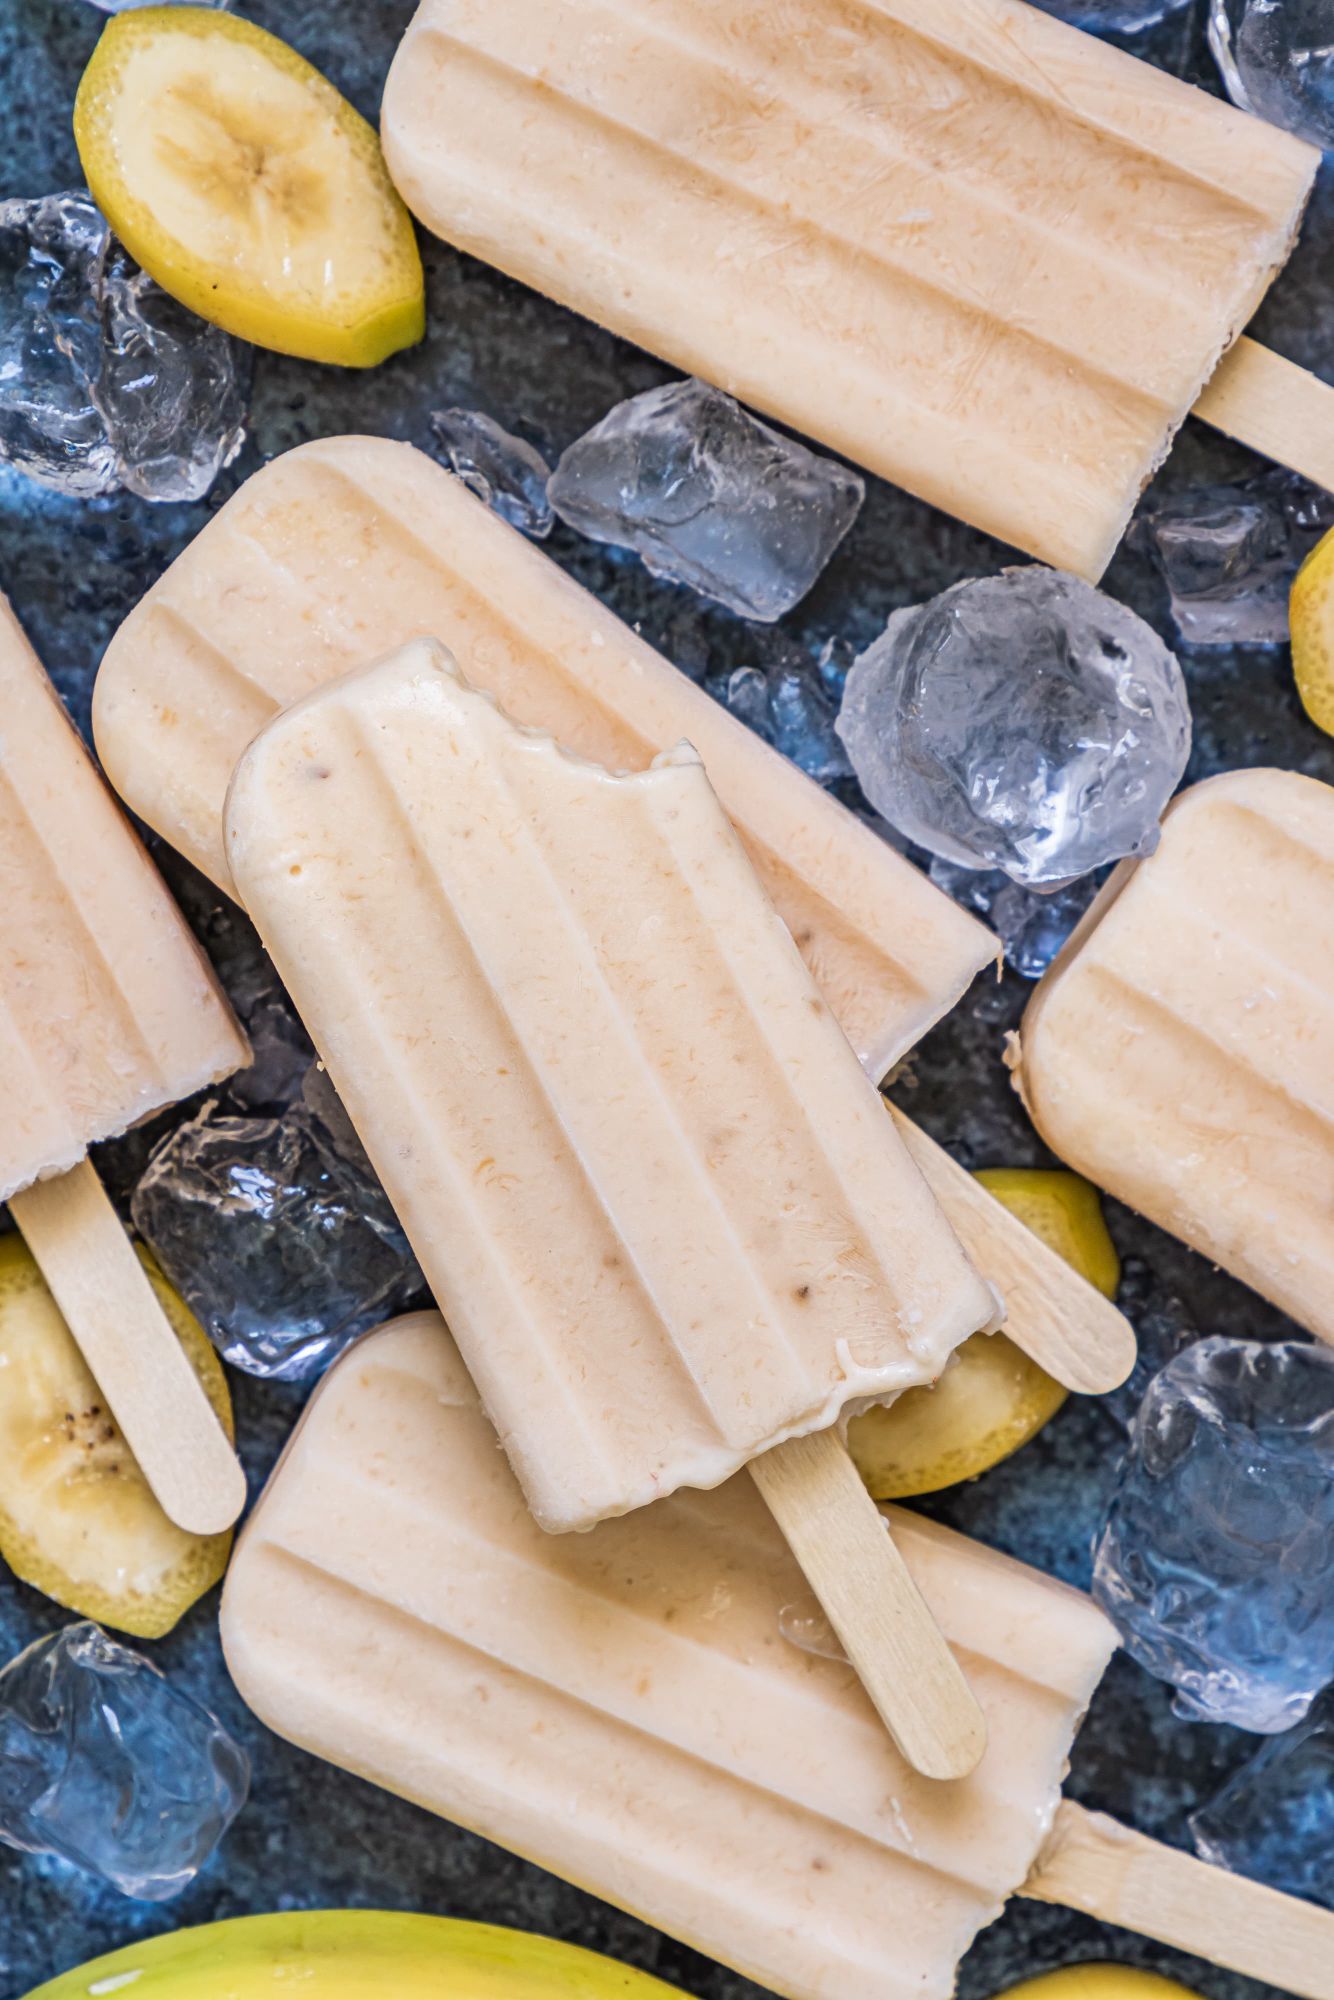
[646, 1176]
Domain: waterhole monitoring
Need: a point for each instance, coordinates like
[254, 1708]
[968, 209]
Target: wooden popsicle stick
[1094, 1864]
[1056, 1317]
[130, 1347]
[1275, 407]
[843, 1544]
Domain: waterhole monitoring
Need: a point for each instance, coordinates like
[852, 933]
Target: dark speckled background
[312, 1836]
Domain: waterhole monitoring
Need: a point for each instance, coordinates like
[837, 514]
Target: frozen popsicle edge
[108, 1013]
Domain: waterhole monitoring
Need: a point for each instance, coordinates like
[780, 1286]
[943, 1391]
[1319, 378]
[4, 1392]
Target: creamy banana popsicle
[655, 1194]
[620, 1707]
[108, 1008]
[108, 1012]
[974, 249]
[345, 548]
[1180, 1051]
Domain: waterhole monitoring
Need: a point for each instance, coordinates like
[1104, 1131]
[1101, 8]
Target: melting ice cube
[106, 1764]
[709, 496]
[1217, 1558]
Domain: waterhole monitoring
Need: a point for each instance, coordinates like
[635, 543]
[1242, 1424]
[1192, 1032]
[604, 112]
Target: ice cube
[1033, 928]
[1031, 924]
[1276, 58]
[106, 1764]
[792, 710]
[502, 470]
[105, 381]
[1228, 555]
[708, 496]
[277, 1232]
[1274, 1819]
[1024, 721]
[1217, 1558]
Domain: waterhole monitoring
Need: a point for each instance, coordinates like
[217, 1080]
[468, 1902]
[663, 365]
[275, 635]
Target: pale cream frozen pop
[108, 1012]
[341, 550]
[649, 1182]
[620, 1707]
[974, 249]
[351, 545]
[1180, 1051]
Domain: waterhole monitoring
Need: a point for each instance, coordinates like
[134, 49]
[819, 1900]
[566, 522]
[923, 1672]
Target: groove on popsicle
[862, 183]
[546, 1607]
[988, 258]
[890, 953]
[560, 1174]
[881, 322]
[748, 1855]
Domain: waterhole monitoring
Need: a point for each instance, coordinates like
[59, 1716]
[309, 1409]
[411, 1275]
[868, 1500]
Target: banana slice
[1311, 619]
[993, 1399]
[248, 186]
[77, 1518]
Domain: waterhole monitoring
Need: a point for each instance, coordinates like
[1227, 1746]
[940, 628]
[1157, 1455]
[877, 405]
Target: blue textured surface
[312, 1836]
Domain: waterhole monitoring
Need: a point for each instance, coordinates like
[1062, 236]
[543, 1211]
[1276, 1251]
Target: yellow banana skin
[353, 1955]
[1099, 1982]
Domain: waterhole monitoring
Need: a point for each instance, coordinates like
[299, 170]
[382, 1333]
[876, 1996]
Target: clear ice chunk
[105, 381]
[1031, 925]
[106, 1764]
[1276, 58]
[277, 1232]
[1217, 1558]
[708, 496]
[793, 711]
[1274, 1818]
[1024, 721]
[1228, 555]
[504, 471]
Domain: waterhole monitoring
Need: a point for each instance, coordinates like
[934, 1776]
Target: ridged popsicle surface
[108, 1009]
[652, 1188]
[621, 1706]
[1181, 1051]
[972, 248]
[346, 548]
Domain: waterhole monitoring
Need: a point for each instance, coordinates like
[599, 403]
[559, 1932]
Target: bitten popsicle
[978, 251]
[620, 1707]
[348, 546]
[652, 1188]
[108, 1012]
[1180, 1051]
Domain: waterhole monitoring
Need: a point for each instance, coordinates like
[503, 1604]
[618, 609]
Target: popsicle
[1180, 1051]
[974, 249]
[345, 548]
[351, 545]
[620, 1707]
[108, 1012]
[648, 1180]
